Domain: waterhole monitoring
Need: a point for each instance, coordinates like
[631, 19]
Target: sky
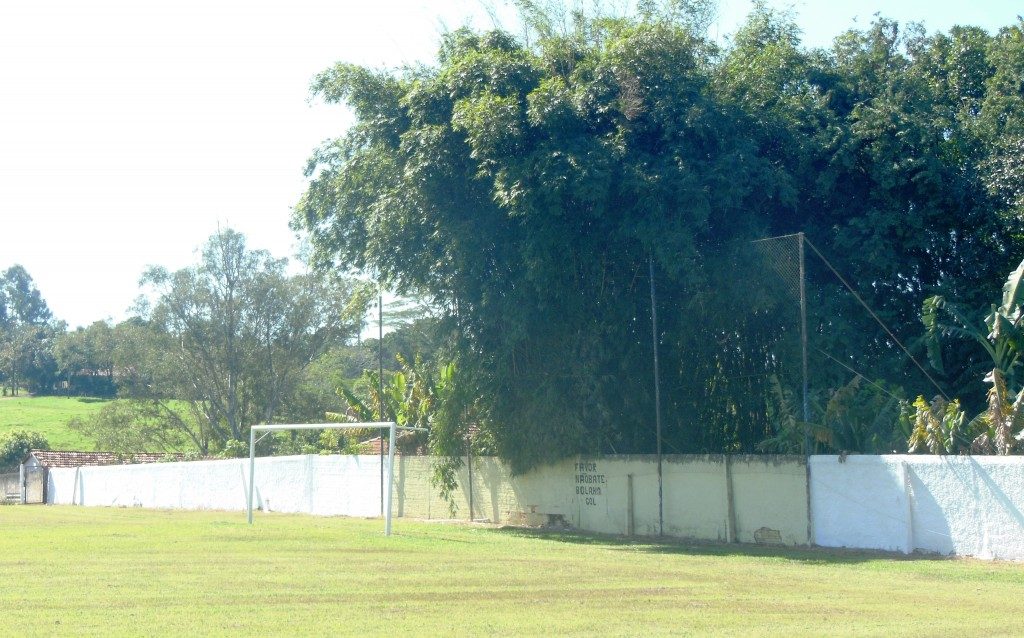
[131, 131]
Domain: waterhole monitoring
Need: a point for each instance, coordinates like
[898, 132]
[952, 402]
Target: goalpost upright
[390, 425]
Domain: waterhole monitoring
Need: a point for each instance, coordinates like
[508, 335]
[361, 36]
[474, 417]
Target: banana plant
[940, 427]
[998, 423]
[1000, 333]
[408, 397]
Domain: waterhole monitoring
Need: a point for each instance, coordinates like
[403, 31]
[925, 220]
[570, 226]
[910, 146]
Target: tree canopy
[217, 347]
[27, 332]
[526, 184]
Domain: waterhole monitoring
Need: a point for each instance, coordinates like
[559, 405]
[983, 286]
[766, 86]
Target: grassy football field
[99, 571]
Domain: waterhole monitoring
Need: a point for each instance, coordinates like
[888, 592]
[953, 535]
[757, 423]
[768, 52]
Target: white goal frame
[391, 426]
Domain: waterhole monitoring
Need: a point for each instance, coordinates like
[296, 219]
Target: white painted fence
[948, 505]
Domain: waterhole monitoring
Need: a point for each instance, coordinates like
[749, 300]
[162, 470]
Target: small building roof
[374, 445]
[61, 458]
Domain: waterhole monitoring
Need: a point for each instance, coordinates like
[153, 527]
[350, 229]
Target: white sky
[130, 130]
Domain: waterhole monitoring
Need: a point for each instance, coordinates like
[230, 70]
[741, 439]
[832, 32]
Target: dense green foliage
[124, 426]
[212, 349]
[524, 184]
[16, 444]
[999, 429]
[425, 395]
[230, 338]
[540, 193]
[27, 333]
[85, 360]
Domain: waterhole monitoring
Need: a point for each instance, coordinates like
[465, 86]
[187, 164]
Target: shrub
[14, 445]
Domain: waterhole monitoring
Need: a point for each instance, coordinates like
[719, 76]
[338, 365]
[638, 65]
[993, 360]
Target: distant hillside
[49, 416]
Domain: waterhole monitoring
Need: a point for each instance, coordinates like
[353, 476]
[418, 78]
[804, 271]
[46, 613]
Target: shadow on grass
[806, 555]
[93, 400]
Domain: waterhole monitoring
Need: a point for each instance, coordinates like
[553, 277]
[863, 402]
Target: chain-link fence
[841, 366]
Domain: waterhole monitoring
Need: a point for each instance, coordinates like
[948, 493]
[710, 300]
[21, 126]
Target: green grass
[96, 571]
[49, 416]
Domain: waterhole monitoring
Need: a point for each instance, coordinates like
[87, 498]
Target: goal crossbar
[391, 426]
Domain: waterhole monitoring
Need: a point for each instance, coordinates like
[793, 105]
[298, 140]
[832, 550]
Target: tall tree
[27, 331]
[85, 359]
[230, 336]
[23, 302]
[526, 185]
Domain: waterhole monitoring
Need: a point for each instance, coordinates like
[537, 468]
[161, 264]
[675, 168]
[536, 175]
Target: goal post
[391, 426]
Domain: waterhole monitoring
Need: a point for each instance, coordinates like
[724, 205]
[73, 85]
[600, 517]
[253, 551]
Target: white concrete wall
[593, 494]
[949, 505]
[860, 502]
[611, 495]
[770, 499]
[312, 484]
[967, 506]
[696, 498]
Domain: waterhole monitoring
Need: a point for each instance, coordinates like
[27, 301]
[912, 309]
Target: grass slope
[49, 416]
[93, 571]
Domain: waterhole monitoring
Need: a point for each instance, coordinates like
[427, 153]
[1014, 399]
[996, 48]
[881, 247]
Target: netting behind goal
[840, 361]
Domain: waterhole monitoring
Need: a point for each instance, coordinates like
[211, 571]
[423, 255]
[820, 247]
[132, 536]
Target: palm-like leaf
[1013, 290]
[962, 327]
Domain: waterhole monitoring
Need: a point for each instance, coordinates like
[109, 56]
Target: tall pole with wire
[657, 395]
[803, 348]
